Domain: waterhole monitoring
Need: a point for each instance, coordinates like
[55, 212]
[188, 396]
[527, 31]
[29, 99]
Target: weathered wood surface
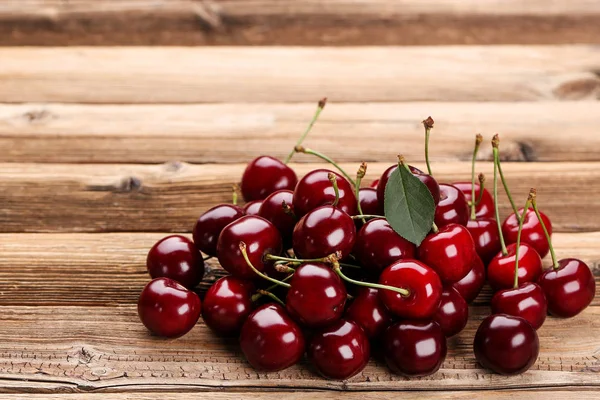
[226, 133]
[301, 22]
[272, 74]
[169, 197]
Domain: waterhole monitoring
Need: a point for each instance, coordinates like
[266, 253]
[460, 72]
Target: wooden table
[103, 150]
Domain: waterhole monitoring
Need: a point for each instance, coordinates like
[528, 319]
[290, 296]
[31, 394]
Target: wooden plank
[271, 74]
[169, 197]
[103, 269]
[531, 131]
[302, 22]
[108, 348]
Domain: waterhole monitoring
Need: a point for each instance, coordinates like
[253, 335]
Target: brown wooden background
[106, 143]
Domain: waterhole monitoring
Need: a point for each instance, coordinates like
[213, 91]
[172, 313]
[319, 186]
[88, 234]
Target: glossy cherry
[378, 245]
[252, 207]
[322, 232]
[317, 295]
[470, 286]
[210, 224]
[369, 312]
[176, 257]
[527, 301]
[265, 175]
[368, 202]
[501, 270]
[452, 207]
[167, 308]
[569, 289]
[340, 350]
[484, 232]
[428, 180]
[450, 252]
[485, 208]
[270, 339]
[315, 190]
[374, 184]
[423, 284]
[533, 233]
[414, 348]
[506, 345]
[227, 304]
[272, 210]
[261, 238]
[453, 313]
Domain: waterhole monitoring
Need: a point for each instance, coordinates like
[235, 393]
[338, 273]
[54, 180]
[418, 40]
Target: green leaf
[408, 206]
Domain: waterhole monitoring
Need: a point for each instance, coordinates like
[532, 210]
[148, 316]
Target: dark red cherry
[176, 257]
[322, 232]
[265, 175]
[272, 210]
[527, 301]
[485, 208]
[340, 350]
[533, 233]
[501, 270]
[261, 238]
[506, 345]
[569, 289]
[369, 312]
[211, 223]
[227, 304]
[484, 232]
[167, 308]
[423, 284]
[452, 208]
[453, 313]
[374, 184]
[450, 252]
[368, 202]
[270, 339]
[414, 348]
[470, 286]
[317, 295]
[252, 207]
[378, 245]
[315, 190]
[428, 180]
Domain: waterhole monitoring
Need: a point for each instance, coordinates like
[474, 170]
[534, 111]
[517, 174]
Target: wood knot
[130, 184]
[173, 166]
[511, 151]
[578, 89]
[38, 116]
[208, 16]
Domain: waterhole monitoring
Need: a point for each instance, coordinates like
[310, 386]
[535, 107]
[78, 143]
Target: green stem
[478, 140]
[435, 228]
[360, 174]
[320, 107]
[260, 293]
[546, 233]
[481, 189]
[336, 190]
[272, 257]
[363, 216]
[234, 195]
[337, 269]
[300, 149]
[257, 272]
[496, 208]
[516, 283]
[257, 296]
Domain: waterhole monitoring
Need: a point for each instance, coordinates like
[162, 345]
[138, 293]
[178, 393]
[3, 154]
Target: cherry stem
[234, 194]
[481, 178]
[260, 293]
[521, 220]
[257, 272]
[288, 210]
[320, 107]
[363, 216]
[428, 124]
[496, 145]
[545, 229]
[207, 258]
[272, 257]
[338, 270]
[300, 149]
[336, 190]
[272, 287]
[474, 203]
[496, 208]
[360, 174]
[478, 140]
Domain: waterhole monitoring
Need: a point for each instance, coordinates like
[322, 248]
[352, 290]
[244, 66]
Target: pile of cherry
[315, 268]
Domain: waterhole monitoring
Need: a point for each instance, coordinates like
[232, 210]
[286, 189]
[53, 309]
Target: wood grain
[271, 74]
[169, 197]
[302, 22]
[225, 133]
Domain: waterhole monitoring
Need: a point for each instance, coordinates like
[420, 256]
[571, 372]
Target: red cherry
[340, 350]
[569, 289]
[450, 252]
[368, 202]
[470, 286]
[486, 237]
[252, 207]
[533, 233]
[453, 313]
[272, 210]
[378, 245]
[211, 223]
[428, 180]
[265, 175]
[414, 348]
[369, 312]
[261, 238]
[505, 344]
[485, 208]
[176, 257]
[374, 184]
[315, 190]
[227, 304]
[270, 339]
[452, 207]
[501, 270]
[167, 308]
[527, 301]
[317, 295]
[322, 232]
[423, 284]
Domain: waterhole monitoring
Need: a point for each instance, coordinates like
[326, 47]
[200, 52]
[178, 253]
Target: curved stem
[272, 287]
[363, 216]
[507, 190]
[360, 174]
[260, 293]
[481, 189]
[349, 265]
[428, 124]
[337, 269]
[320, 107]
[300, 149]
[234, 194]
[435, 228]
[272, 257]
[496, 208]
[257, 272]
[336, 190]
[478, 139]
[546, 233]
[521, 219]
